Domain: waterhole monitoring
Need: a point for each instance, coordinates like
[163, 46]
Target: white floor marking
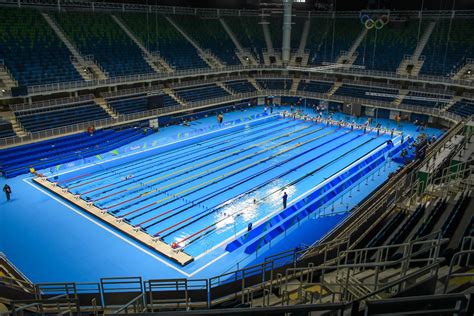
[107, 229]
[147, 251]
[209, 263]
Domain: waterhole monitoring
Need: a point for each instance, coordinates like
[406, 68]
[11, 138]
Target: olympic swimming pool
[67, 243]
[203, 194]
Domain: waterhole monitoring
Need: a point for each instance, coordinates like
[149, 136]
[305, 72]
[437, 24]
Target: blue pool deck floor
[51, 240]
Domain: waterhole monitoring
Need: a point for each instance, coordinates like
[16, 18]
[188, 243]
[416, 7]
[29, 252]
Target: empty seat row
[200, 93]
[463, 107]
[314, 86]
[373, 93]
[158, 35]
[57, 151]
[31, 50]
[275, 84]
[59, 116]
[6, 129]
[241, 86]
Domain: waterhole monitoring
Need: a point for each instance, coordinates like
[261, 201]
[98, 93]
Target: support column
[287, 5]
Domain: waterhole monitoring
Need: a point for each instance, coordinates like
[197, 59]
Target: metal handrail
[404, 261]
[137, 303]
[9, 141]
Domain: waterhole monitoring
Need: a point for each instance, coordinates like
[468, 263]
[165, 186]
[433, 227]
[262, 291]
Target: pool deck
[53, 240]
[156, 244]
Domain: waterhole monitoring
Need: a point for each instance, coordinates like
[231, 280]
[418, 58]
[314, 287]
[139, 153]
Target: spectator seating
[206, 92]
[210, 34]
[449, 45]
[6, 129]
[327, 37]
[60, 115]
[137, 103]
[240, 86]
[384, 49]
[31, 50]
[249, 33]
[463, 107]
[367, 92]
[275, 84]
[275, 24]
[157, 34]
[432, 100]
[314, 86]
[17, 160]
[99, 35]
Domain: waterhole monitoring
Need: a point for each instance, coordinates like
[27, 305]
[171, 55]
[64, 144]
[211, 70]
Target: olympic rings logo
[377, 23]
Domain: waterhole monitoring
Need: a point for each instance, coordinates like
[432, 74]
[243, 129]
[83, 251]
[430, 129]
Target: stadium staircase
[300, 55]
[451, 102]
[255, 84]
[465, 70]
[399, 99]
[173, 95]
[206, 55]
[6, 80]
[81, 63]
[244, 55]
[98, 35]
[350, 56]
[294, 85]
[334, 88]
[412, 65]
[249, 34]
[104, 105]
[226, 88]
[153, 59]
[18, 128]
[271, 56]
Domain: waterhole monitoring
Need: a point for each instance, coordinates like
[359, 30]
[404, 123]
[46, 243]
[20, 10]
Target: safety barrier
[321, 195]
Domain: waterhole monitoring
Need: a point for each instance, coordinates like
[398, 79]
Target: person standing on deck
[285, 199]
[32, 171]
[8, 191]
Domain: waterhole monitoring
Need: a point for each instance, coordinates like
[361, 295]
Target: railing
[387, 195]
[136, 305]
[75, 85]
[58, 305]
[81, 127]
[9, 141]
[392, 75]
[50, 103]
[355, 261]
[78, 85]
[17, 284]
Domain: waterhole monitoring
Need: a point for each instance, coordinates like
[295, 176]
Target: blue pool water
[53, 241]
[201, 194]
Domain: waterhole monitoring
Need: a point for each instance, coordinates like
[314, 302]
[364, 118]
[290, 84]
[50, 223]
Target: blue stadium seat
[275, 84]
[32, 51]
[314, 86]
[61, 115]
[373, 93]
[205, 92]
[241, 86]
